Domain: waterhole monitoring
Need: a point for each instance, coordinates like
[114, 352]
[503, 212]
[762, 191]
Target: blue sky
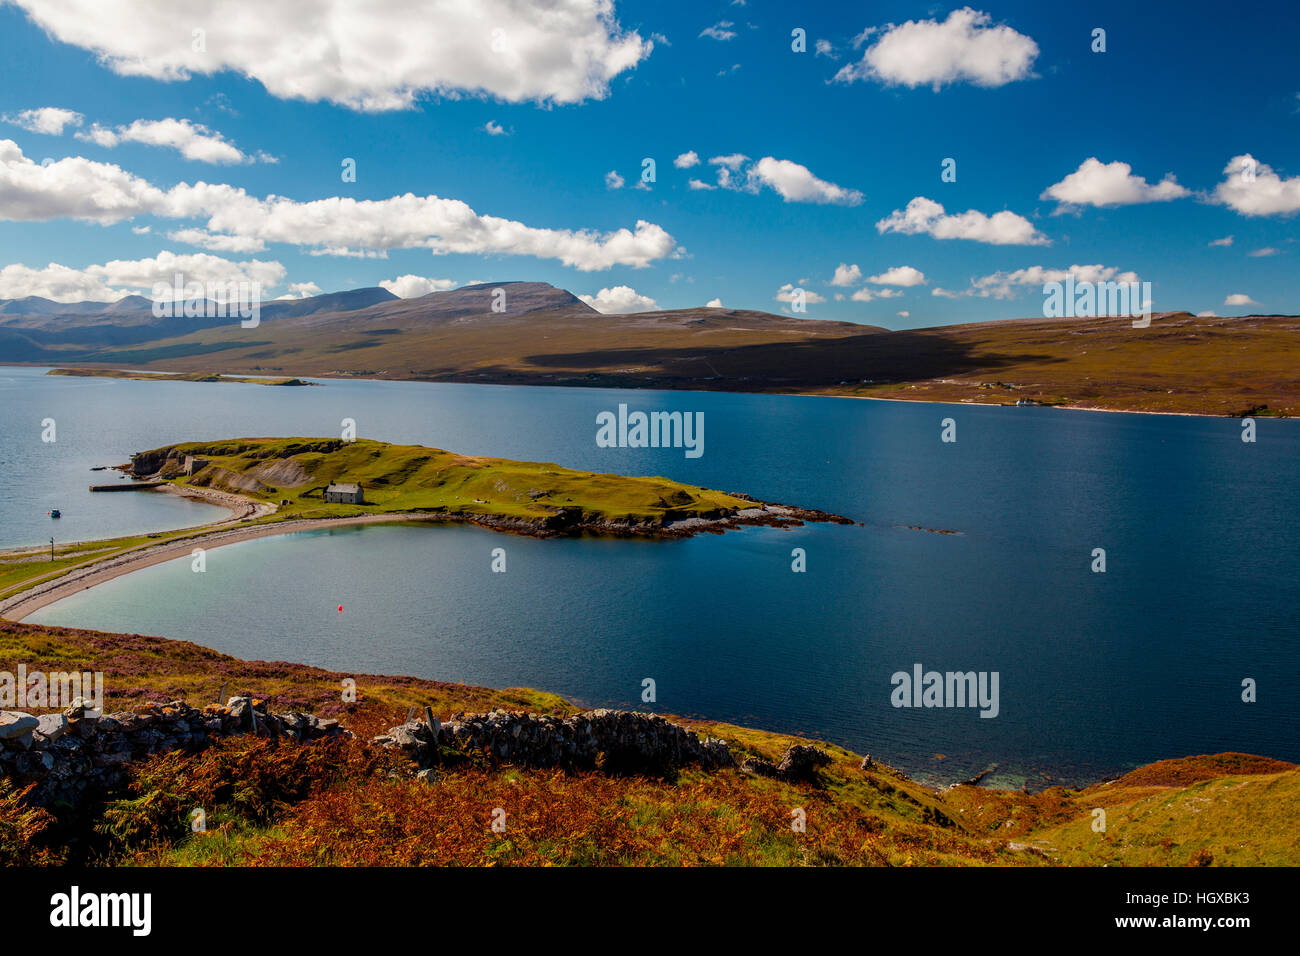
[836, 145]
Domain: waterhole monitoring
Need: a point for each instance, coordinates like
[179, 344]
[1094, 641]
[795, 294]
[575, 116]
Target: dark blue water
[1097, 672]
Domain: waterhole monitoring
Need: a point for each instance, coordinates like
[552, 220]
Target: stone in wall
[80, 753]
[617, 741]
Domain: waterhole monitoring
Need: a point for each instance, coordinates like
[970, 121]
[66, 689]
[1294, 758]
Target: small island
[176, 376]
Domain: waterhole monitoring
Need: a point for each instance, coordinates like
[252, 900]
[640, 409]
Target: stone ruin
[78, 753]
[615, 741]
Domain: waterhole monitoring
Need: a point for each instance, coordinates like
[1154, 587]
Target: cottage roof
[344, 489]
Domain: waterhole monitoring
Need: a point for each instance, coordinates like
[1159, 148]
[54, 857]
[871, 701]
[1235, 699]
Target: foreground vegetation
[352, 804]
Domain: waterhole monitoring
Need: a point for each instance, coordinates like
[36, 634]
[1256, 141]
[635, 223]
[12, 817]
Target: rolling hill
[546, 336]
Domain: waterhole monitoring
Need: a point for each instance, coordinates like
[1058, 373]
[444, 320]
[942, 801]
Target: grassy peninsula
[275, 485]
[291, 474]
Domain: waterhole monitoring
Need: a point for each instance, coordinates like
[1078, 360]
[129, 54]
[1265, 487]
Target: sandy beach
[240, 527]
[28, 602]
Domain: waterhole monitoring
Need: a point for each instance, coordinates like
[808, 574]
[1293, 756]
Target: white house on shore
[344, 495]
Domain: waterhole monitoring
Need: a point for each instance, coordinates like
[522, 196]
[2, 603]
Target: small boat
[56, 513]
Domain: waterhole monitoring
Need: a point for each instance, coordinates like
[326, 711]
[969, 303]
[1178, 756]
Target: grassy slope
[398, 478]
[1207, 365]
[295, 805]
[1182, 363]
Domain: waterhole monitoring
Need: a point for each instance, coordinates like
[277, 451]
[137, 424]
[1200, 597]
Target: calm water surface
[1097, 672]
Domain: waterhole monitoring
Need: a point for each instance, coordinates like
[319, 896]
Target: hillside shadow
[881, 357]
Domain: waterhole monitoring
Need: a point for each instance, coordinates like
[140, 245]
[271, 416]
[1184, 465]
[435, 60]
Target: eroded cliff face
[156, 460]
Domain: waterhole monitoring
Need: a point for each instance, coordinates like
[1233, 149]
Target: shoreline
[316, 379]
[28, 602]
[231, 531]
[240, 508]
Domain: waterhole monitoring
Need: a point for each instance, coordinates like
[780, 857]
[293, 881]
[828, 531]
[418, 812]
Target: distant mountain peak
[521, 296]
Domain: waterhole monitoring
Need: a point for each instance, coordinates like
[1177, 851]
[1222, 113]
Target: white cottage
[344, 495]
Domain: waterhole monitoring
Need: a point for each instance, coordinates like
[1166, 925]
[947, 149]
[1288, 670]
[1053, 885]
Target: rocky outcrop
[801, 761]
[615, 741]
[758, 766]
[798, 764]
[77, 754]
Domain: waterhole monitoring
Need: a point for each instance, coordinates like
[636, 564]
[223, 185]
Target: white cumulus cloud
[412, 286]
[206, 240]
[366, 56]
[927, 217]
[787, 294]
[846, 274]
[49, 120]
[300, 290]
[1239, 298]
[71, 188]
[619, 300]
[965, 48]
[899, 275]
[790, 180]
[1006, 285]
[1252, 188]
[121, 277]
[687, 159]
[866, 295]
[1100, 184]
[77, 188]
[796, 183]
[191, 140]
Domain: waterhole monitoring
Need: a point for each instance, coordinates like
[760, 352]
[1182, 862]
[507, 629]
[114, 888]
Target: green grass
[23, 568]
[412, 478]
[1231, 820]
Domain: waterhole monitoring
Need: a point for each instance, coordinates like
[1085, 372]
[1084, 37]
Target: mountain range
[532, 333]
